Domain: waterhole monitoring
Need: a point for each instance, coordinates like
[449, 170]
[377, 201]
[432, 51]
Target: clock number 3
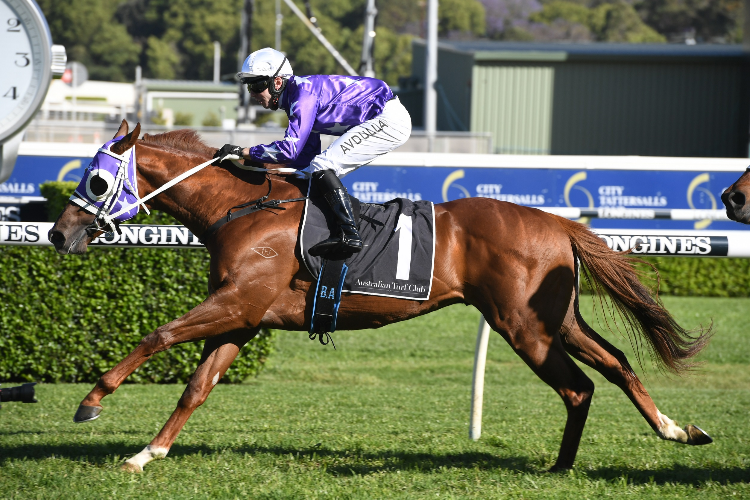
[23, 59]
[12, 93]
[15, 25]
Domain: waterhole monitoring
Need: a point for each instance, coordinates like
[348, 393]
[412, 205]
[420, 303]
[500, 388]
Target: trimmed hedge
[696, 276]
[703, 276]
[72, 318]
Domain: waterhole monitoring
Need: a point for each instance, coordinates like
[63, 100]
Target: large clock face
[24, 63]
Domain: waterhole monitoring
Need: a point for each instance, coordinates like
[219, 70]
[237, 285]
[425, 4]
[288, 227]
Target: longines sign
[696, 243]
[133, 235]
[681, 246]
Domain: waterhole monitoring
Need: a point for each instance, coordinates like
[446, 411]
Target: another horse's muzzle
[735, 202]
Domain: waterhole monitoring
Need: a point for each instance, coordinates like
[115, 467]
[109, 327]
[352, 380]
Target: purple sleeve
[302, 113]
[308, 152]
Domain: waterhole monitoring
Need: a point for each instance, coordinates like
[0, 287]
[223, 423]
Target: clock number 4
[15, 25]
[12, 93]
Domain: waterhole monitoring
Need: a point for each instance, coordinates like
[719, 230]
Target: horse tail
[613, 273]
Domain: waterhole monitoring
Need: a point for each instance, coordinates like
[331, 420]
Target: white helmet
[265, 62]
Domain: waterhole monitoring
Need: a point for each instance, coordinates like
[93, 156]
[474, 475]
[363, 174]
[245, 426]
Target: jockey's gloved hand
[227, 149]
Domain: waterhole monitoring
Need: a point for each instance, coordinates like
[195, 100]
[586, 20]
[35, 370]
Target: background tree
[615, 21]
[176, 36]
[706, 20]
[93, 36]
[173, 39]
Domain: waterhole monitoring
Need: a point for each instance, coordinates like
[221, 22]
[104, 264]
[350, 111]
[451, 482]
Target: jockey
[363, 112]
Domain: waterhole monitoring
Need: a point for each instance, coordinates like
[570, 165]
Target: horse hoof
[129, 467]
[87, 413]
[555, 469]
[697, 436]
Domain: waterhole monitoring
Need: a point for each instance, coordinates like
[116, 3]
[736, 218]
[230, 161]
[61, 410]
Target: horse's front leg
[223, 311]
[218, 354]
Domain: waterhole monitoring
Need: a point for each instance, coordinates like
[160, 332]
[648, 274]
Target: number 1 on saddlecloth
[404, 228]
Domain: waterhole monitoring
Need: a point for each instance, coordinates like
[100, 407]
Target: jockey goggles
[258, 84]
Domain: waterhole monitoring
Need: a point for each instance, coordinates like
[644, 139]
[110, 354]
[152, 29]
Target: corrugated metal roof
[189, 85]
[491, 50]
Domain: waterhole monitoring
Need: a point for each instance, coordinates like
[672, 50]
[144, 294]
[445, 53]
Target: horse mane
[183, 140]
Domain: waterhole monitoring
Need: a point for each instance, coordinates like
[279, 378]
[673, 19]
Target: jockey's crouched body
[369, 120]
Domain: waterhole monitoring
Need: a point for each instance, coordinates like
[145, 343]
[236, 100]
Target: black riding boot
[335, 194]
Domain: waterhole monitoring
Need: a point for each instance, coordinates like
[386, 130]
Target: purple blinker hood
[108, 186]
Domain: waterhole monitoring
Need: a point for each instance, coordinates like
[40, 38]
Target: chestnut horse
[516, 265]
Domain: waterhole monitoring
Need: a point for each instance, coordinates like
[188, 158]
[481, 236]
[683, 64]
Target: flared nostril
[56, 238]
[737, 199]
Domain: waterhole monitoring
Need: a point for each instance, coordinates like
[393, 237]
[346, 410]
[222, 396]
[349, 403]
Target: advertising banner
[613, 192]
[657, 242]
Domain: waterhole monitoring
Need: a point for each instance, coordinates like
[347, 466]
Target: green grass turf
[386, 415]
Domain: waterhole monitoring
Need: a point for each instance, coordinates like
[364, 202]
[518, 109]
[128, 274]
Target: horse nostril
[737, 199]
[56, 238]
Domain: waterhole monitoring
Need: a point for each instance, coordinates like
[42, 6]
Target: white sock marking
[670, 431]
[148, 454]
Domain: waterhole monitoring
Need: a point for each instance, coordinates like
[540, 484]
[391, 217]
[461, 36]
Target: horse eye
[98, 185]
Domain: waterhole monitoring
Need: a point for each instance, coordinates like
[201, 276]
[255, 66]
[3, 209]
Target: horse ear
[126, 142]
[122, 130]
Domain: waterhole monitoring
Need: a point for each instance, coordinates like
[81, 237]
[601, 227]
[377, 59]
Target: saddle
[397, 259]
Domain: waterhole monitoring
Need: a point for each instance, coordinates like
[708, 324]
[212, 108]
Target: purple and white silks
[321, 104]
[115, 186]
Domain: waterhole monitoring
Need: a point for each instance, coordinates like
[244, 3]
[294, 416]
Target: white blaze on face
[216, 379]
[148, 454]
[671, 431]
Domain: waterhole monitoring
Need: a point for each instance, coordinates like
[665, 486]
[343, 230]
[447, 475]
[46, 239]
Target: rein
[103, 217]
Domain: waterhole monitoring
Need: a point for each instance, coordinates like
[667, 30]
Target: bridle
[103, 218]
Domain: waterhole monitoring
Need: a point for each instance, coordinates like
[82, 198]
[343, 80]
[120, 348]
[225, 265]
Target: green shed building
[591, 99]
[189, 103]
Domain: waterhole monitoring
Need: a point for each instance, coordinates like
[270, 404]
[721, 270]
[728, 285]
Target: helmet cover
[265, 62]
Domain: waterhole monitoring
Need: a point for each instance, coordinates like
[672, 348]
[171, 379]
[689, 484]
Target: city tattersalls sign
[158, 236]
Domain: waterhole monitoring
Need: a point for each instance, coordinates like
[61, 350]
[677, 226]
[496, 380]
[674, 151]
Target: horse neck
[201, 199]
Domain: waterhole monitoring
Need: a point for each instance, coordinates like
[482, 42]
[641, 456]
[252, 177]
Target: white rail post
[477, 386]
[431, 69]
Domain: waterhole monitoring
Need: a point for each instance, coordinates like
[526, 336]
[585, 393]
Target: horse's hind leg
[530, 336]
[555, 368]
[218, 354]
[587, 346]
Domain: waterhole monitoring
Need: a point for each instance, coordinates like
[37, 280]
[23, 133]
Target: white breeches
[363, 143]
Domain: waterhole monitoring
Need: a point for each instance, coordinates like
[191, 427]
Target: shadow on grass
[95, 453]
[360, 462]
[677, 474]
[342, 463]
[345, 463]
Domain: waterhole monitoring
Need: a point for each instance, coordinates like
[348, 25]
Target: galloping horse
[516, 265]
